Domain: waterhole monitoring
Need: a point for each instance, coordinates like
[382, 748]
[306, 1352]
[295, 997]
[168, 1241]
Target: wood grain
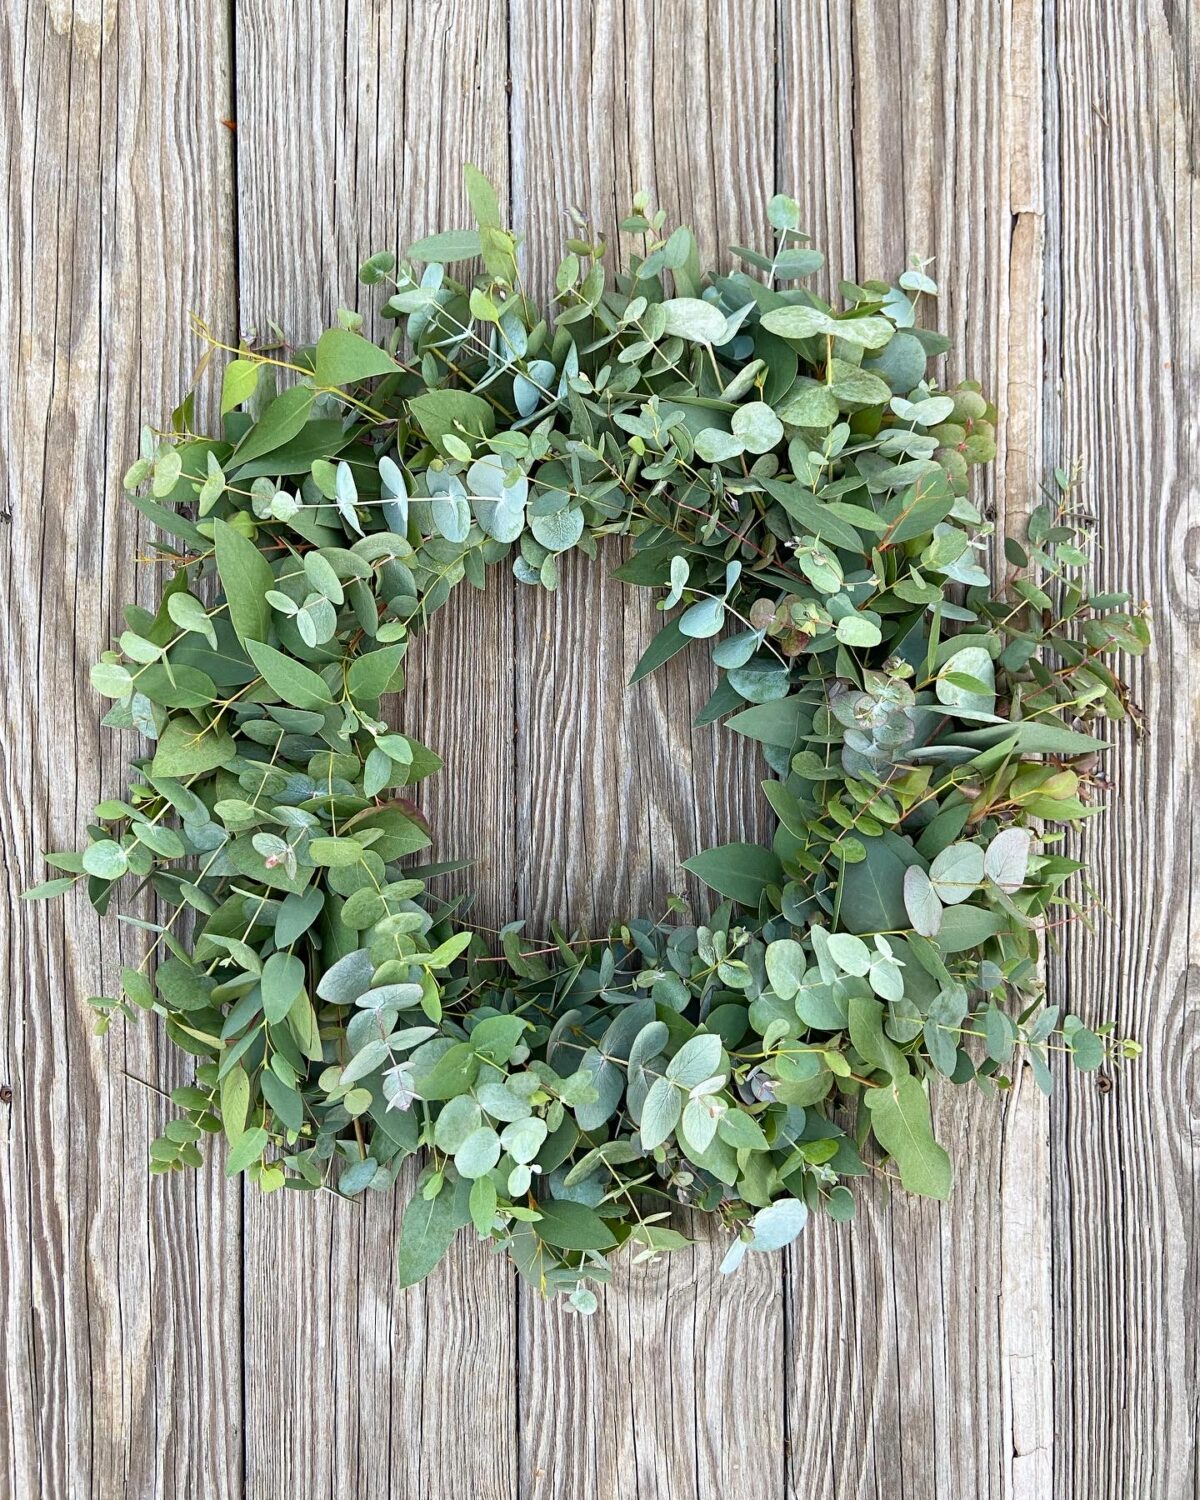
[342, 156]
[656, 1399]
[941, 136]
[118, 1306]
[1034, 1338]
[1121, 318]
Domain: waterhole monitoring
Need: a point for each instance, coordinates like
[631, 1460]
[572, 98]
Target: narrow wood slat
[1123, 303]
[120, 1293]
[675, 1387]
[912, 1331]
[354, 122]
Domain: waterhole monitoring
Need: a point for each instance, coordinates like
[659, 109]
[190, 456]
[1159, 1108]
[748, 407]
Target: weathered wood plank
[353, 126]
[675, 1387]
[120, 1292]
[1122, 321]
[929, 1311]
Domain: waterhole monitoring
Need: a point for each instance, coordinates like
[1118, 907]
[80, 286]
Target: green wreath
[796, 479]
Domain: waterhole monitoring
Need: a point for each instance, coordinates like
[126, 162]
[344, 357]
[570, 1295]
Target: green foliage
[796, 479]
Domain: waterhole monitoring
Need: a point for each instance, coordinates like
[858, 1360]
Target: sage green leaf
[572, 1226]
[182, 686]
[871, 892]
[246, 578]
[714, 445]
[870, 1042]
[814, 405]
[163, 841]
[319, 438]
[797, 322]
[966, 927]
[856, 386]
[918, 509]
[111, 679]
[335, 853]
[740, 871]
[780, 723]
[450, 245]
[741, 1131]
[186, 748]
[502, 518]
[440, 414]
[967, 681]
[48, 889]
[483, 1204]
[757, 426]
[850, 953]
[787, 964]
[943, 1021]
[190, 615]
[247, 1149]
[1087, 1049]
[426, 1233]
[375, 672]
[820, 519]
[1000, 1034]
[661, 1111]
[478, 1154]
[956, 873]
[669, 641]
[921, 902]
[693, 319]
[559, 530]
[348, 978]
[105, 859]
[703, 619]
[523, 1139]
[858, 630]
[282, 980]
[284, 1101]
[289, 679]
[870, 332]
[778, 1224]
[901, 362]
[608, 1081]
[453, 1073]
[697, 1060]
[900, 1120]
[494, 1037]
[297, 914]
[235, 1102]
[374, 1055]
[482, 196]
[451, 516]
[1006, 859]
[698, 1126]
[238, 383]
[344, 358]
[282, 421]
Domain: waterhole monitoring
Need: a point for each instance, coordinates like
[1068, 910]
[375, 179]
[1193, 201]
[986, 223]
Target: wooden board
[118, 1303]
[1033, 1338]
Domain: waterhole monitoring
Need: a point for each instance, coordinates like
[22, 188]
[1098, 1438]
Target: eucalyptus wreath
[795, 479]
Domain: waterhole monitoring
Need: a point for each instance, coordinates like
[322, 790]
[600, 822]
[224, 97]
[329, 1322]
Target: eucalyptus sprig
[796, 481]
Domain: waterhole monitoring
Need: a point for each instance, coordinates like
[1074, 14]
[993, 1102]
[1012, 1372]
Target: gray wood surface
[1036, 1337]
